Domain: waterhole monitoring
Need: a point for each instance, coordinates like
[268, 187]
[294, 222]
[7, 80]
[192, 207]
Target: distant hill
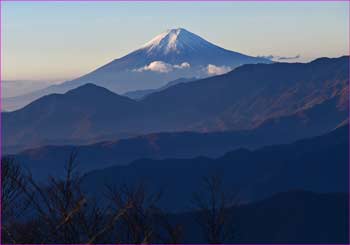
[79, 113]
[252, 94]
[173, 145]
[311, 99]
[318, 164]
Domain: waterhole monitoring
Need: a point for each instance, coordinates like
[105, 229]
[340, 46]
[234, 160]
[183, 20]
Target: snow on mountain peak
[174, 40]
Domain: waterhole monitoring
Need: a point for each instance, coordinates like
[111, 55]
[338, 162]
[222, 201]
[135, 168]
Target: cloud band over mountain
[163, 67]
[274, 57]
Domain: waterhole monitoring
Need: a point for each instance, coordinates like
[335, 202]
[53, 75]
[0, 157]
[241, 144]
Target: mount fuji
[175, 53]
[179, 46]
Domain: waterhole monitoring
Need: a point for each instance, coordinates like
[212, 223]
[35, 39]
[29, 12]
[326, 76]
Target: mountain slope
[77, 114]
[247, 96]
[318, 164]
[141, 94]
[178, 144]
[312, 94]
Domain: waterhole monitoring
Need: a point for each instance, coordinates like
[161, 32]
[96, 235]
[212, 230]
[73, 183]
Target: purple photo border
[1, 65]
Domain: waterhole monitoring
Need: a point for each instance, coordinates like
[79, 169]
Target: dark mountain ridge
[244, 99]
[176, 145]
[317, 164]
[289, 217]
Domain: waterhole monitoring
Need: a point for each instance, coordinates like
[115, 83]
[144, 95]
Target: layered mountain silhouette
[292, 97]
[173, 145]
[166, 116]
[175, 53]
[318, 164]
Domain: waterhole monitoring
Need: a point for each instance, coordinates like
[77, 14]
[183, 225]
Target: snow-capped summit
[175, 53]
[176, 46]
[175, 40]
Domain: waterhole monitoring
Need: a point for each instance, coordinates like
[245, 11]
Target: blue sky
[61, 40]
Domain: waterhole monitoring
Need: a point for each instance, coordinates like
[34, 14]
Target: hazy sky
[62, 40]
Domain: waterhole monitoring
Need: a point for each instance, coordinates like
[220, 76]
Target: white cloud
[162, 67]
[183, 65]
[217, 70]
[157, 66]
